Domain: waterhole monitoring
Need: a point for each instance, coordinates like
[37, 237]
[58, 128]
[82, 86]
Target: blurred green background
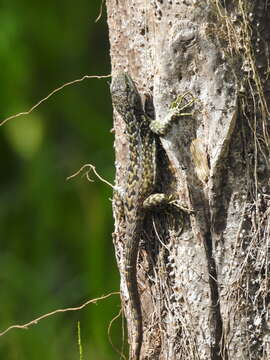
[56, 247]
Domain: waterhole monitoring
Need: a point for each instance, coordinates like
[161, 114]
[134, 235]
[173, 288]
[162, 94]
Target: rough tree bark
[205, 291]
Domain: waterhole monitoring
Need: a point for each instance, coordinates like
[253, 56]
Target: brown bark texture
[204, 291]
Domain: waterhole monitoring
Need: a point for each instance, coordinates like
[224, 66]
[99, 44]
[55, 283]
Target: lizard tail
[134, 301]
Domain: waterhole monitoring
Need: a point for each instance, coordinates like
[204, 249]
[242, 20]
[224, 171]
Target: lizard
[137, 193]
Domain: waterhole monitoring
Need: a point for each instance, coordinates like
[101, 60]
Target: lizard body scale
[136, 195]
[138, 185]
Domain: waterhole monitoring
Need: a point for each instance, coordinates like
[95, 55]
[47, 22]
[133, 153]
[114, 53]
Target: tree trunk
[204, 291]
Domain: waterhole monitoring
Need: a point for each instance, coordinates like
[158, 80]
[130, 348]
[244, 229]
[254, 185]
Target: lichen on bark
[204, 291]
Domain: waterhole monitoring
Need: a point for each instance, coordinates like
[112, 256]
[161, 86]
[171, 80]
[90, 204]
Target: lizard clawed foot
[178, 205]
[178, 108]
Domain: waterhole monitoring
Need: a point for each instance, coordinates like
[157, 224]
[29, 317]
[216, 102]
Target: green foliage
[80, 342]
[56, 248]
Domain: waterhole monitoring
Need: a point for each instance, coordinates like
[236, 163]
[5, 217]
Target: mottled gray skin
[136, 195]
[139, 184]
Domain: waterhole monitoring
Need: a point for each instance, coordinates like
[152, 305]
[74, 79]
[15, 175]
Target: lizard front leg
[178, 108]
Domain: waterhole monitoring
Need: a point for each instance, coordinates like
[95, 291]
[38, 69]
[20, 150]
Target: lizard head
[125, 96]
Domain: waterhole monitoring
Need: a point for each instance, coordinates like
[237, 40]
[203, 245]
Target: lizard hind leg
[162, 201]
[168, 203]
[156, 201]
